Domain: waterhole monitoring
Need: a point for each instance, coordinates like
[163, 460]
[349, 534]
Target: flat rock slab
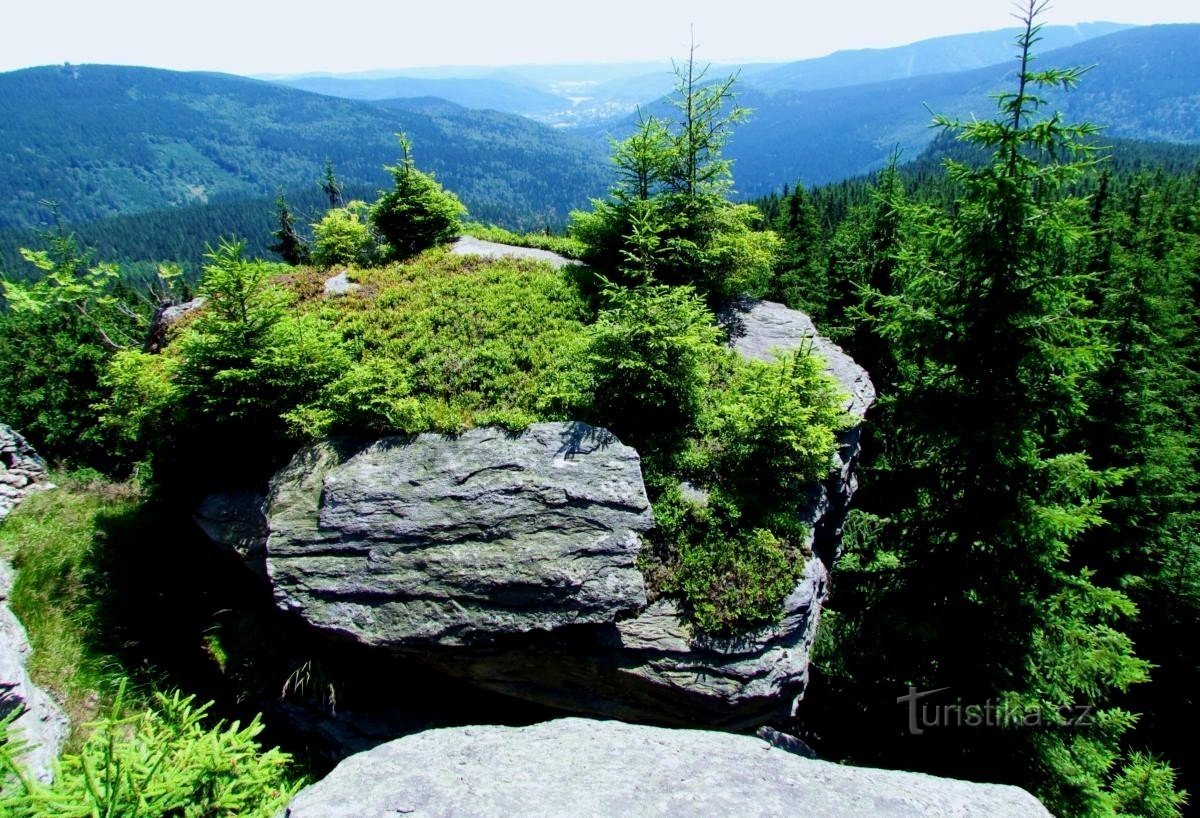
[340, 284]
[767, 328]
[471, 246]
[579, 767]
[440, 540]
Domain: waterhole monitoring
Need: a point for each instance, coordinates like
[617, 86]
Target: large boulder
[452, 541]
[509, 560]
[763, 329]
[585, 768]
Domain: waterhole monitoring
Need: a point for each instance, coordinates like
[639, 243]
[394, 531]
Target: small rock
[340, 284]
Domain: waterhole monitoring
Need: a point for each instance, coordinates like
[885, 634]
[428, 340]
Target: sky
[266, 36]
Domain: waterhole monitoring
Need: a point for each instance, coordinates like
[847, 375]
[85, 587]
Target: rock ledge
[591, 768]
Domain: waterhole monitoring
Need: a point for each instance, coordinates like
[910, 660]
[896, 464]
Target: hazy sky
[249, 36]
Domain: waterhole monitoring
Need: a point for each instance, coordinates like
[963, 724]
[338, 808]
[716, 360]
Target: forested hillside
[105, 140]
[940, 55]
[1141, 87]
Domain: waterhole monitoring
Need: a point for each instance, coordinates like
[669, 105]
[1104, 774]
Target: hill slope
[107, 140]
[939, 55]
[1145, 85]
[471, 93]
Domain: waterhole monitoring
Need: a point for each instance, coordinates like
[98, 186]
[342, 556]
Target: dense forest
[108, 140]
[1101, 324]
[1023, 555]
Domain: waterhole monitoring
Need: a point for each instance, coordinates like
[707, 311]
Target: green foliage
[800, 275]
[668, 215]
[731, 583]
[648, 357]
[417, 213]
[975, 566]
[1146, 788]
[777, 426]
[51, 541]
[56, 335]
[763, 435]
[288, 245]
[343, 236]
[449, 342]
[163, 761]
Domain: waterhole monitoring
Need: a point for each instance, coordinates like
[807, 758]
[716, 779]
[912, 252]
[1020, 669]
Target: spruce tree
[417, 213]
[288, 245]
[673, 185]
[984, 591]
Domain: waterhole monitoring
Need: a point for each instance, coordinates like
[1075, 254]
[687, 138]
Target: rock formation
[340, 285]
[41, 725]
[582, 767]
[449, 541]
[509, 560]
[471, 246]
[21, 469]
[166, 318]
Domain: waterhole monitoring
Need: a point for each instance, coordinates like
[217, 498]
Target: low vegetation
[134, 750]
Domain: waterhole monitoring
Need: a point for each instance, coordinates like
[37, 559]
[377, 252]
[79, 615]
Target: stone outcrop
[509, 561]
[471, 246]
[581, 767]
[166, 318]
[451, 541]
[21, 469]
[763, 328]
[340, 285]
[41, 725]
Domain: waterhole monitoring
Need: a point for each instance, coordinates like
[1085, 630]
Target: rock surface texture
[451, 541]
[763, 328]
[21, 469]
[42, 725]
[596, 768]
[471, 246]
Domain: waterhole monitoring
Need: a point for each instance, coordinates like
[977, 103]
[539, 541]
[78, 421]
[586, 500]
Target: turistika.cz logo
[927, 714]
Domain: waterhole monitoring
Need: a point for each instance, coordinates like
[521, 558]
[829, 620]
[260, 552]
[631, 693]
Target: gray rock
[41, 725]
[653, 668]
[471, 246]
[764, 328]
[340, 284]
[449, 541]
[592, 768]
[166, 318]
[22, 470]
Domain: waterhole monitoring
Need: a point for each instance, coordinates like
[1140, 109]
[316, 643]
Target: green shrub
[777, 426]
[449, 342]
[732, 583]
[344, 237]
[162, 761]
[51, 540]
[417, 213]
[648, 359]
